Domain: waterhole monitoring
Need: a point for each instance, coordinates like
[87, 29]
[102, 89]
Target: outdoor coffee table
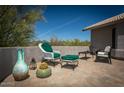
[70, 59]
[85, 53]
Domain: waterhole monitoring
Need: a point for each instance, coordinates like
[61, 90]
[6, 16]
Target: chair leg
[73, 67]
[77, 63]
[61, 64]
[110, 61]
[92, 56]
[96, 59]
[53, 61]
[54, 64]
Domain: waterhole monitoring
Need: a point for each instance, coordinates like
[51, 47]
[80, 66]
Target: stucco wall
[8, 56]
[101, 37]
[7, 60]
[119, 51]
[120, 35]
[70, 49]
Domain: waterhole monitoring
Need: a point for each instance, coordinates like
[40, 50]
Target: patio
[87, 74]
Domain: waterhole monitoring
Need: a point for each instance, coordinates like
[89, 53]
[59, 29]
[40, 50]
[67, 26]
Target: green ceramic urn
[21, 69]
[43, 71]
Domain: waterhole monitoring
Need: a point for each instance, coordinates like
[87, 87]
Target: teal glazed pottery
[21, 69]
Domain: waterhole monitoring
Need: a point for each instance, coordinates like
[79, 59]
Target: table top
[85, 51]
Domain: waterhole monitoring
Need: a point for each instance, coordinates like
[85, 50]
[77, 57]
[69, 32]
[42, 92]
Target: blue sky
[66, 22]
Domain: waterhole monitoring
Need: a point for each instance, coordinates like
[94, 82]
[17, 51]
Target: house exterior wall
[120, 35]
[103, 36]
[119, 51]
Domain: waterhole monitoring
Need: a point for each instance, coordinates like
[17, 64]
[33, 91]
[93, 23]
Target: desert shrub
[17, 24]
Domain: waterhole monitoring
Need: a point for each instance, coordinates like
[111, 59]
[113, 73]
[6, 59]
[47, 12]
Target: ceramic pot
[21, 69]
[42, 73]
[33, 64]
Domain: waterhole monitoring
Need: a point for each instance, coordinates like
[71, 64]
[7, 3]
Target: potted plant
[43, 70]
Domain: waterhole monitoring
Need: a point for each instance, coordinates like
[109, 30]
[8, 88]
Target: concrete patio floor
[87, 74]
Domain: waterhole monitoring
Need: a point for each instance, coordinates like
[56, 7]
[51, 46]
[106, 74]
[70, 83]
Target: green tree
[17, 24]
[54, 40]
[74, 42]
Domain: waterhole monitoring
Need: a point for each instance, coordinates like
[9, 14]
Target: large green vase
[21, 69]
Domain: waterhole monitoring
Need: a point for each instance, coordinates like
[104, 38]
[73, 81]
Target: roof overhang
[107, 22]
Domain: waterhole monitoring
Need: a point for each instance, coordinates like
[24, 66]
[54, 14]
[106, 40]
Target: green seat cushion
[47, 47]
[70, 57]
[56, 55]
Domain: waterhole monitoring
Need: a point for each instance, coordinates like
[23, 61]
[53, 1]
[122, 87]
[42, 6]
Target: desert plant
[17, 24]
[43, 65]
[74, 42]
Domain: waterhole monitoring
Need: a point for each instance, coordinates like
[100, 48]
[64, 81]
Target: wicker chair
[48, 53]
[106, 53]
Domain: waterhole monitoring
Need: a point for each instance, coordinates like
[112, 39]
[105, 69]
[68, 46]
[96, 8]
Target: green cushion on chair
[56, 55]
[70, 57]
[47, 47]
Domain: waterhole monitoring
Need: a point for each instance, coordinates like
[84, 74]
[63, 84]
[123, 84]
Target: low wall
[7, 60]
[8, 56]
[70, 49]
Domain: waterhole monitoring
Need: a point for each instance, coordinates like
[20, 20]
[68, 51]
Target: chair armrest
[102, 53]
[57, 52]
[98, 50]
[49, 55]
